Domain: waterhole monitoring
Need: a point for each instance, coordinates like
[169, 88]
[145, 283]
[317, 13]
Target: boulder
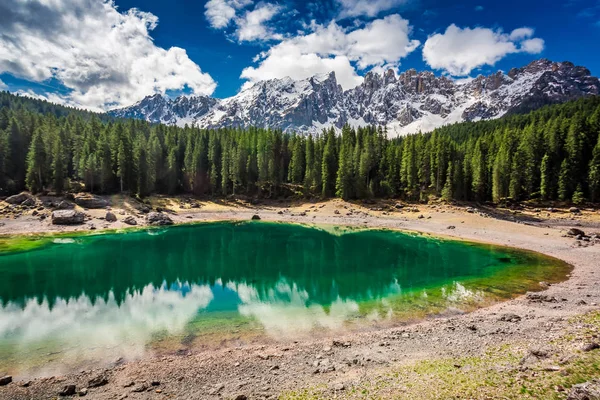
[255, 218]
[110, 217]
[19, 198]
[129, 220]
[65, 205]
[67, 217]
[585, 391]
[5, 380]
[158, 219]
[68, 390]
[90, 201]
[98, 381]
[575, 232]
[30, 202]
[574, 210]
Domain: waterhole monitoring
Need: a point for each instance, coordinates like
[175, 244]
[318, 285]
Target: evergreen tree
[36, 163]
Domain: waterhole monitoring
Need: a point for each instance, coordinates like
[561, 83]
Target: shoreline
[247, 369]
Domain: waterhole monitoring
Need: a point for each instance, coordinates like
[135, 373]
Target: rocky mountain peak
[406, 103]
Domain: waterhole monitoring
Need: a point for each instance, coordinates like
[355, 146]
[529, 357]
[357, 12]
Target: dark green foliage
[552, 153]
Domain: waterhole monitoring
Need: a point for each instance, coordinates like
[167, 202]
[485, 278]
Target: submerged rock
[67, 217]
[90, 201]
[158, 219]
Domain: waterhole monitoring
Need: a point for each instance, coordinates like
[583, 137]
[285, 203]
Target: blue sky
[101, 54]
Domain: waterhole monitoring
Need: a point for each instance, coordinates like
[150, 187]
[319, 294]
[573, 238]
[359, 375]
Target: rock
[98, 381]
[339, 387]
[451, 227]
[18, 198]
[155, 383]
[255, 218]
[83, 392]
[68, 390]
[130, 220]
[241, 397]
[216, 389]
[140, 388]
[65, 205]
[158, 219]
[337, 212]
[129, 384]
[398, 206]
[110, 217]
[540, 298]
[67, 217]
[574, 210]
[30, 202]
[575, 232]
[5, 380]
[91, 201]
[145, 209]
[510, 318]
[585, 391]
[590, 347]
[471, 210]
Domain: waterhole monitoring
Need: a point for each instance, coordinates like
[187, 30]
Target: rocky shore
[541, 345]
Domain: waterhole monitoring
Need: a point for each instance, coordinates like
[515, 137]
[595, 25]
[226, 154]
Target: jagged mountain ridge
[413, 101]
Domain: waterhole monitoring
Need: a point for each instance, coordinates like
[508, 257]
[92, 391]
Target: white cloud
[459, 51]
[219, 13]
[3, 85]
[252, 25]
[107, 58]
[369, 8]
[521, 33]
[333, 48]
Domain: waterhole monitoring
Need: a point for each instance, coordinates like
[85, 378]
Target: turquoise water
[88, 300]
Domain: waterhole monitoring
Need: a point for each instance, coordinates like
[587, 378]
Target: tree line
[549, 154]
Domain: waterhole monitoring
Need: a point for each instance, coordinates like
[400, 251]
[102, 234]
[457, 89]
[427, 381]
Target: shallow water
[88, 300]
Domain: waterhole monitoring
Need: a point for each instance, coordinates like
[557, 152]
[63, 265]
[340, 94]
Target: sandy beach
[534, 341]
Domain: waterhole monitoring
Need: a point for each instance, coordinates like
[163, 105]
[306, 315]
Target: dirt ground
[535, 346]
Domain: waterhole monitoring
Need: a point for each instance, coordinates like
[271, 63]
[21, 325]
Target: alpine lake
[76, 301]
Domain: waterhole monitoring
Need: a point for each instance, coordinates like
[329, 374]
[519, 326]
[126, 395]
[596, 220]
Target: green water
[88, 300]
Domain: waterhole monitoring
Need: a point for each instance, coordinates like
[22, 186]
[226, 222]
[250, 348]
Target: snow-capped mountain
[411, 102]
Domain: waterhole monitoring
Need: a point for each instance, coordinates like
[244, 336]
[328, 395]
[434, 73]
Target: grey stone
[67, 217]
[110, 217]
[90, 201]
[158, 219]
[68, 390]
[18, 198]
[5, 380]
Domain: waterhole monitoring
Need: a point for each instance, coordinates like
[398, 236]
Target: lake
[69, 302]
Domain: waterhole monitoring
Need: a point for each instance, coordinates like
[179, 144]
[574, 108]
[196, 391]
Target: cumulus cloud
[334, 48]
[219, 13]
[458, 51]
[106, 57]
[369, 8]
[252, 26]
